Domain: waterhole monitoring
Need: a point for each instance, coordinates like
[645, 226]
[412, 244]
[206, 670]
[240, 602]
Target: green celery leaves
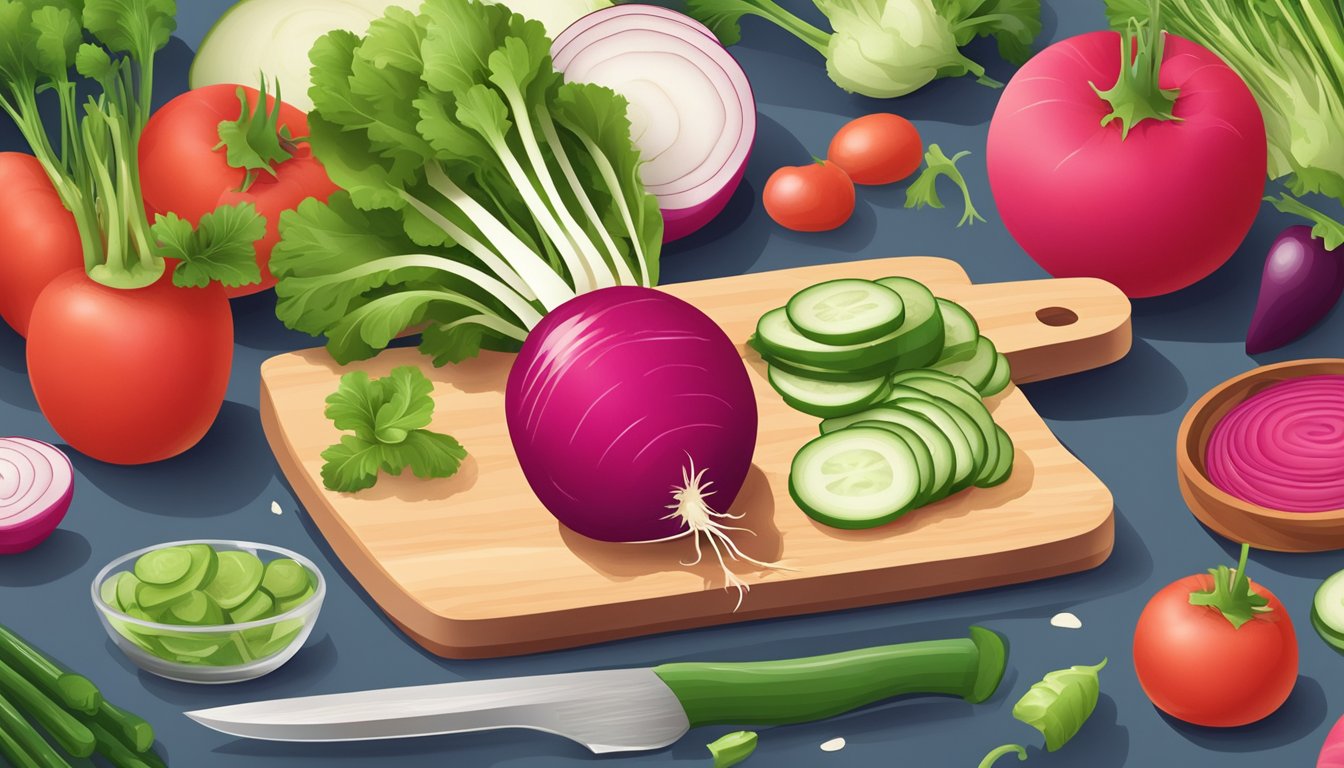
[480, 191]
[388, 418]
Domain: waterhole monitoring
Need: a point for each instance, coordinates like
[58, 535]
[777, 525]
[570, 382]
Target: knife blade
[624, 710]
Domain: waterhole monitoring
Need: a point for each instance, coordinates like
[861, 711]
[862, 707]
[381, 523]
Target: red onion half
[692, 113]
[36, 484]
[1283, 448]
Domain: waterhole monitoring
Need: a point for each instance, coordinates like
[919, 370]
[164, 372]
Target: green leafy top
[481, 191]
[1232, 594]
[256, 141]
[1291, 55]
[221, 248]
[93, 166]
[389, 417]
[1060, 703]
[924, 189]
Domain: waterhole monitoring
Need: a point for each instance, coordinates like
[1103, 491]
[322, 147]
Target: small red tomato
[877, 149]
[809, 198]
[1196, 664]
[38, 237]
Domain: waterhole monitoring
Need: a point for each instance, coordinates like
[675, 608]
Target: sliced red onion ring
[1283, 448]
[36, 485]
[692, 112]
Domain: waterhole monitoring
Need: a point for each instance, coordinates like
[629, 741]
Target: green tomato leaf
[255, 142]
[353, 407]
[352, 464]
[222, 248]
[1061, 703]
[407, 404]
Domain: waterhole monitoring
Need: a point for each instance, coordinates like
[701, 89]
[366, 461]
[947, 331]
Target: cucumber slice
[255, 607]
[826, 398]
[976, 369]
[999, 380]
[284, 578]
[236, 579]
[163, 566]
[195, 609]
[290, 603]
[954, 390]
[1004, 468]
[933, 437]
[845, 311]
[107, 591]
[857, 477]
[922, 332]
[126, 591]
[960, 331]
[779, 338]
[1327, 611]
[923, 457]
[204, 561]
[968, 446]
[826, 374]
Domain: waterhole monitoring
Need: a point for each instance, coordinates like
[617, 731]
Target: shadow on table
[14, 386]
[59, 556]
[222, 473]
[1305, 565]
[255, 326]
[1143, 383]
[1102, 739]
[1304, 710]
[501, 746]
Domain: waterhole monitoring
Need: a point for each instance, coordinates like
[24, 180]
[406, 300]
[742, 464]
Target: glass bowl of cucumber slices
[209, 611]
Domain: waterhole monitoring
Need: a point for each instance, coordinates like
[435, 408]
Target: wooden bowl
[1239, 520]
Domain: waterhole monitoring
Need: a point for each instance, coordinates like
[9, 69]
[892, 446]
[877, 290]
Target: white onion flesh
[36, 484]
[692, 113]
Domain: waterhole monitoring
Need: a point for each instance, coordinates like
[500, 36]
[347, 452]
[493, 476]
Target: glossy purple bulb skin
[1301, 283]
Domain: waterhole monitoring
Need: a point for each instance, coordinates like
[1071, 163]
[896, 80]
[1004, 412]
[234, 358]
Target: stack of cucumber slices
[900, 378]
[194, 585]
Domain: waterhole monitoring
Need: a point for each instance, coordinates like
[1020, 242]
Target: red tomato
[38, 237]
[1153, 212]
[182, 172]
[1197, 667]
[130, 376]
[809, 198]
[877, 149]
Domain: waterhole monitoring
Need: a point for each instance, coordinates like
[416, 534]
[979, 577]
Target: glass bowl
[228, 653]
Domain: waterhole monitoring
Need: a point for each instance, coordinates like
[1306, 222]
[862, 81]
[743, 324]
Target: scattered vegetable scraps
[732, 748]
[924, 190]
[888, 48]
[388, 417]
[1057, 706]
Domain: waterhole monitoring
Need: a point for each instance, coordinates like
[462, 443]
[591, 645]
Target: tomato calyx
[256, 141]
[1136, 95]
[1232, 594]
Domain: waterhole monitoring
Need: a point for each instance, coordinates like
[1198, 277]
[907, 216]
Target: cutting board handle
[1050, 328]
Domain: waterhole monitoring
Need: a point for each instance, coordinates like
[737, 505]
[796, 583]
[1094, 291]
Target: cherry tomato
[38, 237]
[1196, 666]
[182, 171]
[877, 149]
[809, 198]
[130, 376]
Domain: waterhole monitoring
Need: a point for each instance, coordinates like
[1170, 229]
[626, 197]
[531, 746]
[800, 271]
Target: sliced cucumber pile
[900, 378]
[1327, 611]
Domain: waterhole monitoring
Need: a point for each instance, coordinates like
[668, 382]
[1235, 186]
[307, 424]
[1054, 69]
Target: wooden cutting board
[473, 566]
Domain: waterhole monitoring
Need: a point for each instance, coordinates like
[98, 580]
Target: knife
[627, 710]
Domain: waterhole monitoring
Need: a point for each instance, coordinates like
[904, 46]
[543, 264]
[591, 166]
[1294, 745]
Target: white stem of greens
[484, 317]
[623, 274]
[488, 257]
[614, 185]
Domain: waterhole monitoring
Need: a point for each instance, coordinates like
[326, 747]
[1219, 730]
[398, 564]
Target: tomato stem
[1136, 95]
[256, 141]
[1232, 594]
[993, 756]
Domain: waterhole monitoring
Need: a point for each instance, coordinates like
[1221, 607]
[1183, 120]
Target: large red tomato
[1153, 211]
[1197, 666]
[182, 171]
[38, 237]
[130, 376]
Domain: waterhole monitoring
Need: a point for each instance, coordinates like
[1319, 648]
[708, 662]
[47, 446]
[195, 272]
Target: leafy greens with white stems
[93, 165]
[482, 191]
[889, 48]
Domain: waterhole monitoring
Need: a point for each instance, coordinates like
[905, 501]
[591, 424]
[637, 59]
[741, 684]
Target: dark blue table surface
[1120, 420]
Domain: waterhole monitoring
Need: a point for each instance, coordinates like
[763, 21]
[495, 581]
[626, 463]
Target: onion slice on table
[692, 113]
[36, 484]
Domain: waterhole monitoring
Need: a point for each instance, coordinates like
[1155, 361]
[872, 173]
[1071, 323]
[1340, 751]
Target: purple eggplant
[1302, 281]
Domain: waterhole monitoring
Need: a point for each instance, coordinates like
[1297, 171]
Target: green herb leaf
[58, 38]
[1061, 703]
[389, 417]
[924, 190]
[1014, 24]
[137, 27]
[222, 247]
[92, 62]
[255, 141]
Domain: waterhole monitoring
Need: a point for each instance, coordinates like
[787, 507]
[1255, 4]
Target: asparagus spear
[129, 727]
[118, 754]
[12, 751]
[39, 752]
[68, 732]
[73, 691]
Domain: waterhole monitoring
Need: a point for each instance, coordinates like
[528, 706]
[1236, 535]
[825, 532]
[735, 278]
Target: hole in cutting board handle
[1057, 317]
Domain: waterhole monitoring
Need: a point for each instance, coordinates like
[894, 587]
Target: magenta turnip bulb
[633, 418]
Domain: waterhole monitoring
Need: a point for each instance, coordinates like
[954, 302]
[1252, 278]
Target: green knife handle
[815, 688]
